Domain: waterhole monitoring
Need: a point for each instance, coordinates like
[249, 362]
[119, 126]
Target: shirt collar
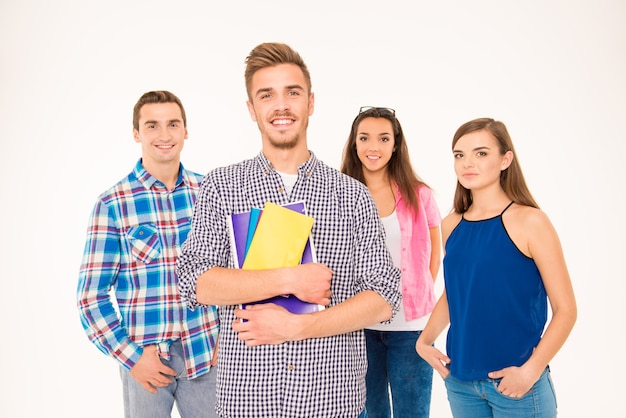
[148, 180]
[306, 168]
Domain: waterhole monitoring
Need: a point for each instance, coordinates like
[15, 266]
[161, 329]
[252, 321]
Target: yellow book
[279, 239]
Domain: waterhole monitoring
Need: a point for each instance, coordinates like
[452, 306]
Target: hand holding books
[280, 239]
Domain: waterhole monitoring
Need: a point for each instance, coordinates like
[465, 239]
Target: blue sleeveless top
[497, 300]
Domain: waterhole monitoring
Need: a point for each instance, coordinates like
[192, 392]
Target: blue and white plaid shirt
[319, 377]
[133, 239]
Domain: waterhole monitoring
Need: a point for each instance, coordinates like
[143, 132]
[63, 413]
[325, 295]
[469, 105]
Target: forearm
[438, 321]
[364, 309]
[553, 339]
[225, 286]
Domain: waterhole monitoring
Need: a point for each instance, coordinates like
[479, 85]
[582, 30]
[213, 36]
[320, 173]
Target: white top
[289, 180]
[399, 323]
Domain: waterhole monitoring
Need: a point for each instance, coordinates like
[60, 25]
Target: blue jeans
[193, 397]
[481, 399]
[394, 366]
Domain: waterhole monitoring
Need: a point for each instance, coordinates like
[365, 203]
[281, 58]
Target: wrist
[301, 324]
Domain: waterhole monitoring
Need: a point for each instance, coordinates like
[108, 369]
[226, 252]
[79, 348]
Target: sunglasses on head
[382, 110]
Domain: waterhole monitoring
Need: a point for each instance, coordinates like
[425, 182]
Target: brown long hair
[159, 96]
[511, 180]
[399, 166]
[270, 54]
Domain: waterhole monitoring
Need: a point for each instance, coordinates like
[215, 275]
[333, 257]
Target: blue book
[255, 215]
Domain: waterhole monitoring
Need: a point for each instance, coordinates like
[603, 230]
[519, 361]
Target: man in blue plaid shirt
[136, 229]
[277, 364]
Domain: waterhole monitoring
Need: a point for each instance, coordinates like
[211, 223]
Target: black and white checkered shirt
[319, 377]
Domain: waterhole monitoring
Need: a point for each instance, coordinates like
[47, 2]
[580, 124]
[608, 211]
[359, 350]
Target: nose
[468, 162]
[165, 133]
[282, 104]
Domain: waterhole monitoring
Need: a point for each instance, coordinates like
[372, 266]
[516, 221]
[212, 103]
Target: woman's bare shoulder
[449, 223]
[527, 216]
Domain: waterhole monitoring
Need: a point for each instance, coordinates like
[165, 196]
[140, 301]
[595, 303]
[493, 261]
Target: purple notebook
[242, 226]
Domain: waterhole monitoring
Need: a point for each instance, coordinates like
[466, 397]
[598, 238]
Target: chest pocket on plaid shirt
[144, 242]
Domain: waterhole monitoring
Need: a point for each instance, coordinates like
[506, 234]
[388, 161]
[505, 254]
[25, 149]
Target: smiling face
[478, 161]
[375, 144]
[161, 133]
[281, 105]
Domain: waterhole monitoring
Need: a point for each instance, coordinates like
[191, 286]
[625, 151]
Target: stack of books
[274, 237]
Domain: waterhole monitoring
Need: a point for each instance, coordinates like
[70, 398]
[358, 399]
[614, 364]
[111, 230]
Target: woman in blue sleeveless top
[503, 263]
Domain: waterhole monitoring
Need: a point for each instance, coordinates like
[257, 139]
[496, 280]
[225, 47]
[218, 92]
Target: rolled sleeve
[205, 246]
[374, 266]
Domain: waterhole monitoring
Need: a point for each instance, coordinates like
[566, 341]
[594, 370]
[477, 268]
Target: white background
[71, 71]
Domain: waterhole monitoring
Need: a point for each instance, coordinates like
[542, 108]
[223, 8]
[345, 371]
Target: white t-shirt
[289, 180]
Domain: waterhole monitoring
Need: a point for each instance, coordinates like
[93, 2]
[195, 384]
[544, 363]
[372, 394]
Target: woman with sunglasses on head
[376, 153]
[503, 262]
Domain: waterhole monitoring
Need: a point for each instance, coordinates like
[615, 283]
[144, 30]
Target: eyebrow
[155, 122]
[475, 149]
[380, 134]
[268, 89]
[295, 87]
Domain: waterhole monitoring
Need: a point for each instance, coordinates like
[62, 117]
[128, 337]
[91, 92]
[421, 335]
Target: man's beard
[284, 143]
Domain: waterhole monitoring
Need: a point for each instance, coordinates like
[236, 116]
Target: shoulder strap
[507, 206]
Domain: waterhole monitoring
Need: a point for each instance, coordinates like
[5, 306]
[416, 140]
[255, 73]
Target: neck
[377, 179]
[166, 173]
[488, 202]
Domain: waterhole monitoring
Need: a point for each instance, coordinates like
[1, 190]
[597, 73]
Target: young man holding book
[272, 362]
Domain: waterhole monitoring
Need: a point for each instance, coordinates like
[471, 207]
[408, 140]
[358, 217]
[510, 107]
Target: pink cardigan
[418, 292]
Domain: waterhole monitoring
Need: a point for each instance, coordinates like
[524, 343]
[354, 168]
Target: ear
[136, 135]
[507, 159]
[311, 103]
[251, 110]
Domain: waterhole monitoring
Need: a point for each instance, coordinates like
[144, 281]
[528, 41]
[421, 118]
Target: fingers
[496, 375]
[264, 324]
[150, 372]
[147, 386]
[513, 382]
[167, 371]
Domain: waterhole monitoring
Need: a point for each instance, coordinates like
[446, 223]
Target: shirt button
[280, 190]
[290, 367]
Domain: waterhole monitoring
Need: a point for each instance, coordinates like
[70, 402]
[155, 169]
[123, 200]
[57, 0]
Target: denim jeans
[394, 366]
[193, 397]
[481, 399]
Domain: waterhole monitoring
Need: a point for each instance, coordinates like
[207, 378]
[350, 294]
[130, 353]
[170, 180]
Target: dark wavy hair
[399, 167]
